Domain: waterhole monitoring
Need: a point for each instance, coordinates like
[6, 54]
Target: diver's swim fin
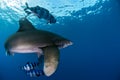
[51, 59]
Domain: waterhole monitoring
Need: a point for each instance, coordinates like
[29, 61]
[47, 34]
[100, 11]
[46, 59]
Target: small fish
[35, 73]
[29, 66]
[30, 69]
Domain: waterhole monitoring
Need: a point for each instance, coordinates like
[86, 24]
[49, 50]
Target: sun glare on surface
[14, 9]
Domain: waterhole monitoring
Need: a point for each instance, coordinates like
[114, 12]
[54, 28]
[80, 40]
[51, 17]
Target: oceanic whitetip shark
[30, 40]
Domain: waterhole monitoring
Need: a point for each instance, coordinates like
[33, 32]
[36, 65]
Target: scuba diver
[40, 13]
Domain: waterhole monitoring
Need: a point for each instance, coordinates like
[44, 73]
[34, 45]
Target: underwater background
[92, 25]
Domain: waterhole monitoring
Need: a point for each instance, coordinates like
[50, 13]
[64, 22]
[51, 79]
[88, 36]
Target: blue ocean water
[94, 31]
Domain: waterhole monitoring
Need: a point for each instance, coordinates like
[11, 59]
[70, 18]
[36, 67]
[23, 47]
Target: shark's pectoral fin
[51, 59]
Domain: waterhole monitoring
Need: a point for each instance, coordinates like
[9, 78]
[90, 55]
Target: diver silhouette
[40, 13]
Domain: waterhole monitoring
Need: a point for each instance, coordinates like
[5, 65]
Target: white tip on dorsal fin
[25, 25]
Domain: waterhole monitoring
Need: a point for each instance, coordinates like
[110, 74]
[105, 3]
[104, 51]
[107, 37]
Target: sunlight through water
[12, 10]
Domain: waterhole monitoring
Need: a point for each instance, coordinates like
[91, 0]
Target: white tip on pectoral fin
[51, 59]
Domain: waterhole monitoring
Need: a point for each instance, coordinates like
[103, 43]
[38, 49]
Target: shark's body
[30, 40]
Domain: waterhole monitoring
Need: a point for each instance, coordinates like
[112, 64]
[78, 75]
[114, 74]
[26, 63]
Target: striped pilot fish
[31, 69]
[35, 73]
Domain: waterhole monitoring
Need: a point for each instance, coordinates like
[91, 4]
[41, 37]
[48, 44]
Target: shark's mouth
[63, 44]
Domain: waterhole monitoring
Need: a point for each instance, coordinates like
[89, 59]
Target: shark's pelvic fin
[51, 59]
[41, 60]
[8, 53]
[25, 25]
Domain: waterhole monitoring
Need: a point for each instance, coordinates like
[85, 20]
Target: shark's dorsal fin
[25, 25]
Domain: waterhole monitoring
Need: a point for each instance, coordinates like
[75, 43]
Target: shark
[29, 40]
